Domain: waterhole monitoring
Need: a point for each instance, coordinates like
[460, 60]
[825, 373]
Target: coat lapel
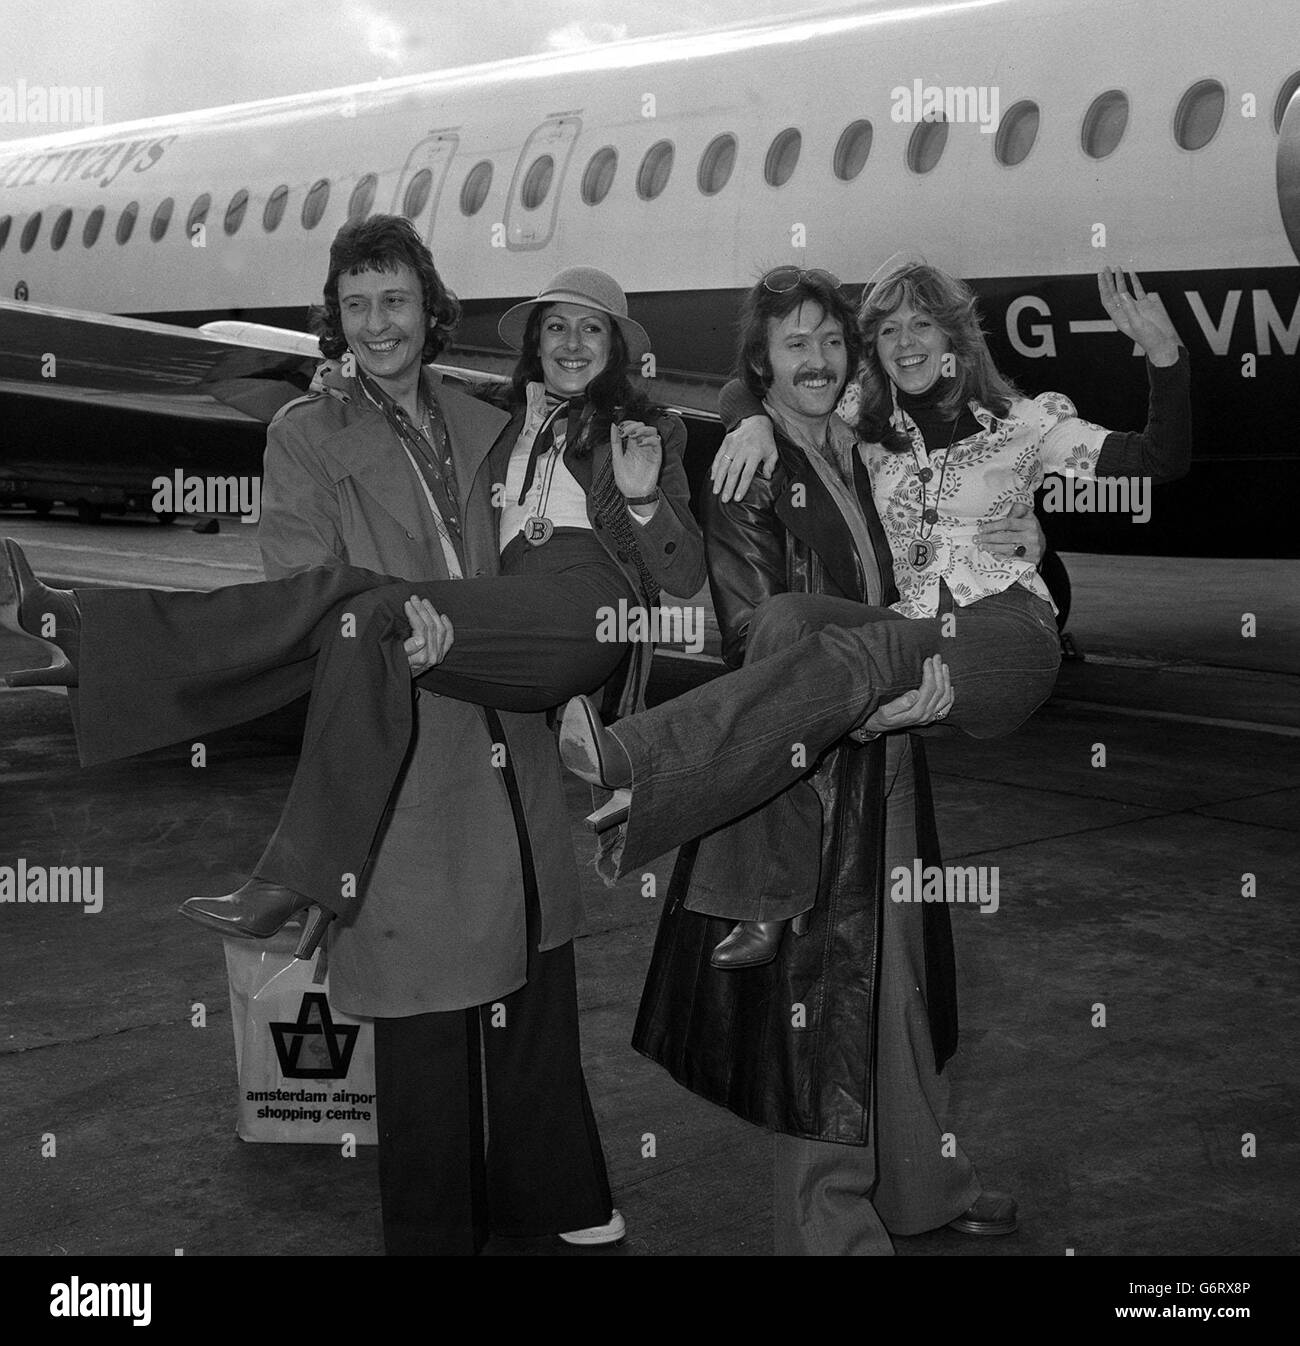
[364, 450]
[498, 461]
[884, 556]
[817, 522]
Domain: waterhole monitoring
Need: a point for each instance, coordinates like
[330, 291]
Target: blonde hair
[951, 303]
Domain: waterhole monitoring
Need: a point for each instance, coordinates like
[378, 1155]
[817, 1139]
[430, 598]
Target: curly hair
[383, 243]
[951, 303]
[613, 389]
[753, 360]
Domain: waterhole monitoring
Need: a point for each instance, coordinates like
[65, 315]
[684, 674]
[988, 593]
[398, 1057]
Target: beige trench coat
[441, 922]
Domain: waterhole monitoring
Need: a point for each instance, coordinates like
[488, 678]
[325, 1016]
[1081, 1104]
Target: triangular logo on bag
[314, 1047]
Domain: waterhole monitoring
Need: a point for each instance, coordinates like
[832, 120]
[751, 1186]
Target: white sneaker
[598, 1233]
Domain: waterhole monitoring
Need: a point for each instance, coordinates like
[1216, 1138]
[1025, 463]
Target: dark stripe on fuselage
[1236, 501]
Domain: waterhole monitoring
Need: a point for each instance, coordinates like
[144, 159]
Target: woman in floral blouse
[947, 443]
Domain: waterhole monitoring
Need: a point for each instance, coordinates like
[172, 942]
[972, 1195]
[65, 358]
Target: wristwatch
[642, 499]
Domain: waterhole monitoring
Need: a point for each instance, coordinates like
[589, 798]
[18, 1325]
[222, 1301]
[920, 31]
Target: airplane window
[59, 233]
[926, 143]
[598, 177]
[162, 217]
[30, 230]
[1285, 94]
[235, 211]
[1016, 133]
[537, 182]
[782, 156]
[126, 221]
[5, 225]
[477, 183]
[716, 163]
[652, 176]
[851, 150]
[417, 194]
[1104, 123]
[363, 197]
[314, 206]
[90, 230]
[198, 214]
[1200, 110]
[273, 211]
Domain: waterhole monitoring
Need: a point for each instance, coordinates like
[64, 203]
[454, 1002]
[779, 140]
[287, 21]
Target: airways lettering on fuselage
[44, 170]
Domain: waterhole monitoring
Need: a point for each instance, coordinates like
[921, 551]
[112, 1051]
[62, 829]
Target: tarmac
[1128, 1014]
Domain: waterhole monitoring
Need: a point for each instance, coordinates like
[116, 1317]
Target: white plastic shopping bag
[306, 1072]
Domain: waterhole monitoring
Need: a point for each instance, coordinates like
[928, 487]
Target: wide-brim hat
[578, 285]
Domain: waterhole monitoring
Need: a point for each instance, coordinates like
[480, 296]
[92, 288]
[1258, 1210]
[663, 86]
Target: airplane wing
[221, 371]
[97, 359]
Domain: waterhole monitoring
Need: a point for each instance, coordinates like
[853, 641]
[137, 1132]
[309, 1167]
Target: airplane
[156, 274]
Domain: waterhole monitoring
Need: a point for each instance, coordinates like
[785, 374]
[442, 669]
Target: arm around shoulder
[736, 403]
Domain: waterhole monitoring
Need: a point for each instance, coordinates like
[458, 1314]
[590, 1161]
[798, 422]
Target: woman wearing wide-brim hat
[593, 520]
[584, 287]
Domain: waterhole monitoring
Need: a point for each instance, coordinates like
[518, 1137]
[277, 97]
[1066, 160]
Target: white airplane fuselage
[1213, 227]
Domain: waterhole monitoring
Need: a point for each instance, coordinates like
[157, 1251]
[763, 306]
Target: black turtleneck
[936, 426]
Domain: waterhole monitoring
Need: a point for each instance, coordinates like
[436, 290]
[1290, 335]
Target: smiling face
[574, 346]
[384, 324]
[910, 346]
[809, 362]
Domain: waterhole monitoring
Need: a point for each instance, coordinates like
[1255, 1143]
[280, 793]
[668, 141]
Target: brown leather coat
[791, 1046]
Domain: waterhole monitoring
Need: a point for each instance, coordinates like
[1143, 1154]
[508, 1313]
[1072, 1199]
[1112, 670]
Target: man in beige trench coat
[461, 946]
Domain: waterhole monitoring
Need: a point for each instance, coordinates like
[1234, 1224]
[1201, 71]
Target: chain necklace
[538, 529]
[922, 551]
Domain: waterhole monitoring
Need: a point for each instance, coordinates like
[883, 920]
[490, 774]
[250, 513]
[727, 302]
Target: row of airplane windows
[1196, 122]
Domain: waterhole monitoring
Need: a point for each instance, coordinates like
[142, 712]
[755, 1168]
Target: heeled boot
[30, 607]
[593, 754]
[589, 750]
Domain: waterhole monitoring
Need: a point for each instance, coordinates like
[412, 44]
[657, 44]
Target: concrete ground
[1172, 1129]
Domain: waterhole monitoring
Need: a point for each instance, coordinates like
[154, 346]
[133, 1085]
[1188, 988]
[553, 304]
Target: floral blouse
[979, 478]
[973, 481]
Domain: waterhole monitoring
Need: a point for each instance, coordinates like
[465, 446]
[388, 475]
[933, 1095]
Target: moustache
[808, 376]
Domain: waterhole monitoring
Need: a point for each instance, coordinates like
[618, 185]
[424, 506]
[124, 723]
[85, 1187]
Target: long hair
[753, 361]
[950, 302]
[614, 389]
[383, 243]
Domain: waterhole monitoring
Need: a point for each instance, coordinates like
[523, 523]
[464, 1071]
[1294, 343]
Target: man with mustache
[838, 1042]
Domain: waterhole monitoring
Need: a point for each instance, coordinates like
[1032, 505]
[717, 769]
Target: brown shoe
[750, 944]
[989, 1213]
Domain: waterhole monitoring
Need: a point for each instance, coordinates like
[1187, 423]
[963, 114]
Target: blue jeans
[815, 668]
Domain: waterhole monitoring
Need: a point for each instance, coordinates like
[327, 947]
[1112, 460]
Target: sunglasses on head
[783, 279]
